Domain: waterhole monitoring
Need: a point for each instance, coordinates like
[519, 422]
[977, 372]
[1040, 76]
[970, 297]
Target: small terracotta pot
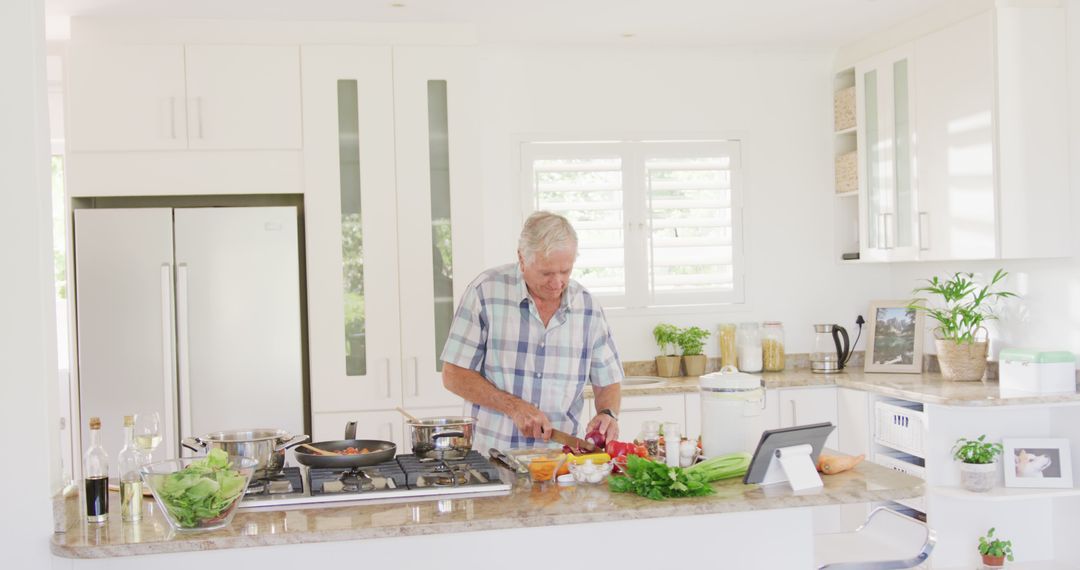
[695, 364]
[993, 561]
[668, 366]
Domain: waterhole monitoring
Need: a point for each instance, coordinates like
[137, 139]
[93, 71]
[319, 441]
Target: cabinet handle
[182, 348]
[198, 108]
[924, 230]
[389, 431]
[167, 354]
[172, 117]
[653, 409]
[386, 369]
[794, 414]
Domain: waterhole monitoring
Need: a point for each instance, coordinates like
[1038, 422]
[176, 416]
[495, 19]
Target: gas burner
[448, 477]
[256, 487]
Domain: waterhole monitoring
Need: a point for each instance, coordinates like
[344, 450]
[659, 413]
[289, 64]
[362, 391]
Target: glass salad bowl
[199, 493]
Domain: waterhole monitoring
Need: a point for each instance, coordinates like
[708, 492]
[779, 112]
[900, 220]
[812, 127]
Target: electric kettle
[830, 355]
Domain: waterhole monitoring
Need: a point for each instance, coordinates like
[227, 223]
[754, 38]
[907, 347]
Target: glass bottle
[650, 434]
[749, 347]
[96, 476]
[727, 344]
[772, 346]
[129, 461]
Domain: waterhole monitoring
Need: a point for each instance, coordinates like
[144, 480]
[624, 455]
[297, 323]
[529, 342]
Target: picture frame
[1044, 463]
[894, 342]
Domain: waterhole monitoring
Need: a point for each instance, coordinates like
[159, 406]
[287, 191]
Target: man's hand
[530, 421]
[606, 425]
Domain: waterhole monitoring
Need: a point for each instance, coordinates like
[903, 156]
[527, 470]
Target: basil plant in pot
[964, 308]
[994, 551]
[978, 463]
[667, 336]
[692, 342]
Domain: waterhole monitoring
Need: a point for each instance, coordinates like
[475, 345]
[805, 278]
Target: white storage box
[900, 428]
[1022, 371]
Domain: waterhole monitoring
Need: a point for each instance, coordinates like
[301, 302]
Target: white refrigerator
[190, 312]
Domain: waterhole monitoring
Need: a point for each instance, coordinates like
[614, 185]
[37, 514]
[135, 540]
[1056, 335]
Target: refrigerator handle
[416, 375]
[182, 347]
[167, 362]
[386, 370]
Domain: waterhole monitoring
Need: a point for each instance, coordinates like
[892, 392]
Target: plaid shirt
[497, 332]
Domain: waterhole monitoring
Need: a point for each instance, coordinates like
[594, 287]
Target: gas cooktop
[405, 477]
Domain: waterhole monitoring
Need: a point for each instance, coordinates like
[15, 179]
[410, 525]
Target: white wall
[778, 103]
[1048, 316]
[27, 325]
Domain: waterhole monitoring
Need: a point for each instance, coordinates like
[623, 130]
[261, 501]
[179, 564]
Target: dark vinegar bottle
[96, 474]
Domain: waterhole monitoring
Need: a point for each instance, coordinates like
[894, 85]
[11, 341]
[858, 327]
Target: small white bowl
[589, 472]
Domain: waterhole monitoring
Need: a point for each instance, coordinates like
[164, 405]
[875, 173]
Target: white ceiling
[802, 24]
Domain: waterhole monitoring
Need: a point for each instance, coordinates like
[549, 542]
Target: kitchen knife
[575, 443]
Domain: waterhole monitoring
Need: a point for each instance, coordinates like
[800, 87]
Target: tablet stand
[794, 465]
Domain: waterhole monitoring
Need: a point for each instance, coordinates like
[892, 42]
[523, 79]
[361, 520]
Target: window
[659, 223]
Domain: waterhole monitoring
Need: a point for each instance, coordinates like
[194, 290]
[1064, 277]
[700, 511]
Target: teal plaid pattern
[497, 332]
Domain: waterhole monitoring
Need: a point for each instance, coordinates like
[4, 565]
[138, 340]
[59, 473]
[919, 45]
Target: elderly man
[525, 340]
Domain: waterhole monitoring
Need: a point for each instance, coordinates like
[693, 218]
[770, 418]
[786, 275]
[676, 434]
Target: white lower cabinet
[638, 409]
[802, 406]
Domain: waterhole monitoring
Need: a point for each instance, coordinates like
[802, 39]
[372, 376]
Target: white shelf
[1005, 493]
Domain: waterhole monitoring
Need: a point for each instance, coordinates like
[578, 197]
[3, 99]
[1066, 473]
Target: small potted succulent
[964, 307]
[978, 463]
[994, 551]
[692, 342]
[667, 336]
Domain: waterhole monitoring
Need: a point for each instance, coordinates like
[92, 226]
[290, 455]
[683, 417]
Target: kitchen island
[747, 526]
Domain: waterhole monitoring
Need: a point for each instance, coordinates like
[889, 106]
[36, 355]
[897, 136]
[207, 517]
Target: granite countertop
[927, 387]
[525, 506]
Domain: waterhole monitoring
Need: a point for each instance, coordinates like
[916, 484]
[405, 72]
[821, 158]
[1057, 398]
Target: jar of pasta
[772, 346]
[727, 344]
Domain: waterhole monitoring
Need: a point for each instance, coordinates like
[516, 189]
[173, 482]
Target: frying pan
[378, 452]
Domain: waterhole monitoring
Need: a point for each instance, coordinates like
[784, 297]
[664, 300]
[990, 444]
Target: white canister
[732, 403]
[1024, 372]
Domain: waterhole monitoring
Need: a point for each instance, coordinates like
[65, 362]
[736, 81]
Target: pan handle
[193, 443]
[448, 434]
[294, 441]
[350, 430]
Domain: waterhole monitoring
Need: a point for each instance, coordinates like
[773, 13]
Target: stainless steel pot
[442, 438]
[266, 446]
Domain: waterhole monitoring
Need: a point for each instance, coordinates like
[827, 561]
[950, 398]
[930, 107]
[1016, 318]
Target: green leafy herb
[667, 336]
[692, 340]
[658, 481]
[202, 491]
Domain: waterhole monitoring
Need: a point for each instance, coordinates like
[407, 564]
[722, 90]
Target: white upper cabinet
[126, 98]
[172, 97]
[439, 224]
[955, 102]
[883, 87]
[243, 97]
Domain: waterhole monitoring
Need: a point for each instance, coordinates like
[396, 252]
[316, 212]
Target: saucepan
[443, 437]
[378, 452]
[266, 446]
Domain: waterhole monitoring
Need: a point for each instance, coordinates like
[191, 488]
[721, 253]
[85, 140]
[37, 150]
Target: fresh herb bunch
[990, 546]
[692, 340]
[976, 451]
[658, 481]
[967, 306]
[667, 336]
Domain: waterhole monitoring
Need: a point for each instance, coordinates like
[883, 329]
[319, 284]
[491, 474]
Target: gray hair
[544, 233]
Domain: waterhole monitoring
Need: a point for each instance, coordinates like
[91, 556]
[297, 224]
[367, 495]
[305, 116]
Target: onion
[596, 438]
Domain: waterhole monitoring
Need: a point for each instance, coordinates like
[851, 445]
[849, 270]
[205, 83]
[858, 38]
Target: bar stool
[886, 541]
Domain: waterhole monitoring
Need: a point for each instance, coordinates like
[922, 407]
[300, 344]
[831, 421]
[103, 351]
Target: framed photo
[895, 340]
[1043, 463]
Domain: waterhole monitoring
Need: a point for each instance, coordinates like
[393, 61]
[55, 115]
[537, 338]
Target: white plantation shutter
[658, 223]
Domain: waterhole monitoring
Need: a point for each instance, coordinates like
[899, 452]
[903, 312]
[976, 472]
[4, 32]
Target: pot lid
[1035, 356]
[730, 379]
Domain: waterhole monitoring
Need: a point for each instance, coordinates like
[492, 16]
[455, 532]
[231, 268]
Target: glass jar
[650, 434]
[772, 346]
[748, 343]
[727, 344]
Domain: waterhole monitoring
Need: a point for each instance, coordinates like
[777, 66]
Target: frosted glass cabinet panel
[888, 220]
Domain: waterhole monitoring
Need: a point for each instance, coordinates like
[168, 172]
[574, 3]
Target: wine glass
[147, 432]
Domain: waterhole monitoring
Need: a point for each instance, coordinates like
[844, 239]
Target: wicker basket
[962, 362]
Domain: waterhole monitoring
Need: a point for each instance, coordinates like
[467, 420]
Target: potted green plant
[692, 342]
[667, 336]
[994, 551]
[978, 462]
[965, 307]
